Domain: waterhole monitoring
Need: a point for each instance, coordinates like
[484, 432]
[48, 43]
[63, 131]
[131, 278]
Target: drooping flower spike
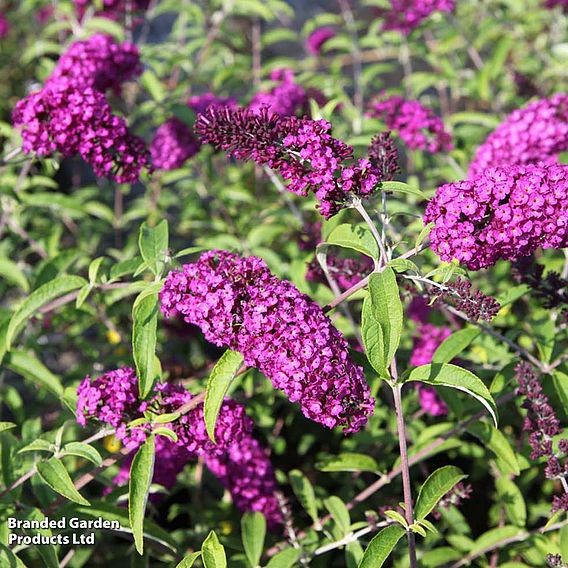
[303, 151]
[238, 303]
[67, 120]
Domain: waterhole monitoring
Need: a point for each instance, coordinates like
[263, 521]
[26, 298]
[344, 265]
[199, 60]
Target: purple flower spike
[238, 303]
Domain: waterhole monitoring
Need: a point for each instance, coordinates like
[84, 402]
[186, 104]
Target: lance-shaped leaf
[53, 472]
[498, 444]
[83, 451]
[381, 546]
[304, 491]
[11, 272]
[434, 488]
[153, 244]
[348, 462]
[453, 345]
[32, 369]
[213, 552]
[219, 381]
[512, 498]
[6, 426]
[355, 237]
[50, 291]
[145, 321]
[452, 376]
[386, 309]
[285, 559]
[141, 473]
[189, 560]
[253, 531]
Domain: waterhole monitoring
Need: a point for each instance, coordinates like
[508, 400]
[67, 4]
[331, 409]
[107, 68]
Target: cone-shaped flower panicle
[238, 303]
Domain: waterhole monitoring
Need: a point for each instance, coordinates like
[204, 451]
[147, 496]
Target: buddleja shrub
[283, 288]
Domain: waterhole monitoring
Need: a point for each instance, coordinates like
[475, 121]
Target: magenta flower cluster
[172, 145]
[429, 338]
[238, 303]
[112, 9]
[246, 472]
[305, 153]
[505, 213]
[71, 114]
[286, 98]
[4, 26]
[417, 125]
[98, 62]
[538, 132]
[70, 121]
[542, 425]
[318, 38]
[113, 399]
[406, 15]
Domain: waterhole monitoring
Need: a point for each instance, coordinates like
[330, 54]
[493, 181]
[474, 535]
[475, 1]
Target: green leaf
[403, 265]
[285, 559]
[373, 340]
[305, 493]
[495, 441]
[381, 546]
[219, 381]
[6, 426]
[489, 539]
[253, 531]
[32, 369]
[348, 462]
[339, 512]
[400, 187]
[452, 376]
[166, 432]
[11, 272]
[397, 517]
[189, 560]
[435, 487]
[50, 291]
[424, 233]
[560, 382]
[152, 84]
[53, 472]
[213, 552]
[38, 445]
[9, 560]
[453, 345]
[355, 237]
[512, 498]
[141, 473]
[440, 557]
[83, 295]
[83, 451]
[106, 26]
[153, 244]
[145, 321]
[386, 308]
[94, 269]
